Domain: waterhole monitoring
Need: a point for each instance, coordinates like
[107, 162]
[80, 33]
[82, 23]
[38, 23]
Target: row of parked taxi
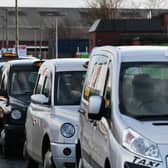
[107, 111]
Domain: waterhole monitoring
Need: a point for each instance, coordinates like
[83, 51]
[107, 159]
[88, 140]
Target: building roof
[127, 25]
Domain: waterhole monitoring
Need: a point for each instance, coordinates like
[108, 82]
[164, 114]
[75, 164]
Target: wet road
[14, 161]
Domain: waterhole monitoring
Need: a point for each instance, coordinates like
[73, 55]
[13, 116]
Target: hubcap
[48, 160]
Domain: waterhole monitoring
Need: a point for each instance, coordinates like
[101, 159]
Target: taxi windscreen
[143, 90]
[22, 82]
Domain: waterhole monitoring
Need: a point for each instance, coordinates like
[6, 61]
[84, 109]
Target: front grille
[132, 165]
[69, 165]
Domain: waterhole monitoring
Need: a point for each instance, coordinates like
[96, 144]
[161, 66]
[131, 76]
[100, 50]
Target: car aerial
[16, 86]
[124, 108]
[53, 117]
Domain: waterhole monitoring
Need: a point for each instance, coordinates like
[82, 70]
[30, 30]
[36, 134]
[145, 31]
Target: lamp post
[6, 28]
[3, 33]
[17, 30]
[56, 37]
[55, 15]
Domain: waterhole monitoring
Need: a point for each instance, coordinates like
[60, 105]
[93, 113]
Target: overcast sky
[70, 3]
[44, 3]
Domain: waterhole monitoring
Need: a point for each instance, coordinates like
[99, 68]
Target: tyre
[25, 155]
[48, 162]
[6, 150]
[80, 164]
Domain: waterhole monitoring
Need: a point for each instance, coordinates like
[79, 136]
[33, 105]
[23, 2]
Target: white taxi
[52, 117]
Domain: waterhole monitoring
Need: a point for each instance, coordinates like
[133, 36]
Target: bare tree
[103, 9]
[154, 4]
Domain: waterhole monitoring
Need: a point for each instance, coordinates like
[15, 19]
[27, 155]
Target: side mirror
[95, 106]
[3, 93]
[40, 99]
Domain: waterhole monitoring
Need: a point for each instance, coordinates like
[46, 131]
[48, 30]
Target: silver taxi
[124, 108]
[53, 117]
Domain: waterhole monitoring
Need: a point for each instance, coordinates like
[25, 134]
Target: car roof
[127, 53]
[22, 62]
[63, 64]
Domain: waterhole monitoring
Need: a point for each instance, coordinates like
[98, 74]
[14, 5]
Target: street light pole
[3, 32]
[6, 27]
[17, 30]
[56, 36]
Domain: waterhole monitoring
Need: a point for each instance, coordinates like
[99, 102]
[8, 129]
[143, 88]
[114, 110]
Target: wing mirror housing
[40, 99]
[95, 107]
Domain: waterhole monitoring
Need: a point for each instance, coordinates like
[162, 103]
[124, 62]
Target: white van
[124, 108]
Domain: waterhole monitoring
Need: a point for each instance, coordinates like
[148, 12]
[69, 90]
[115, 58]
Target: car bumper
[64, 155]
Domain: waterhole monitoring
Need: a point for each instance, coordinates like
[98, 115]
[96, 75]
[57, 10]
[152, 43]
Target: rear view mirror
[40, 99]
[95, 105]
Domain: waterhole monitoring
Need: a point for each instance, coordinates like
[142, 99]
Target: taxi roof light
[8, 54]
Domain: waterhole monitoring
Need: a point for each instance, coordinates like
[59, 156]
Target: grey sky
[43, 3]
[73, 3]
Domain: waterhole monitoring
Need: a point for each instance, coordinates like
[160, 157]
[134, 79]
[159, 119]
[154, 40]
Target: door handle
[34, 121]
[94, 124]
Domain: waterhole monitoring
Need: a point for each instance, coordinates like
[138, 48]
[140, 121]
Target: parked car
[52, 117]
[124, 108]
[5, 59]
[16, 87]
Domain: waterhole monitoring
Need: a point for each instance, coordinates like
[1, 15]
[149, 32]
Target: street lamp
[17, 30]
[3, 28]
[56, 37]
[56, 15]
[6, 28]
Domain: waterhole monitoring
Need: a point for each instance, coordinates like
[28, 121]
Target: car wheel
[6, 150]
[25, 155]
[80, 164]
[48, 162]
[30, 163]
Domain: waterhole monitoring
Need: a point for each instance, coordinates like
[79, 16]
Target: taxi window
[68, 87]
[143, 89]
[39, 85]
[46, 87]
[96, 76]
[22, 82]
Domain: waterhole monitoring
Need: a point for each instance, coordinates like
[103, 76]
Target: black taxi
[16, 87]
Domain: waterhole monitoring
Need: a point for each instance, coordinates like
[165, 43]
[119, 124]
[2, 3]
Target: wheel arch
[78, 151]
[45, 145]
[107, 163]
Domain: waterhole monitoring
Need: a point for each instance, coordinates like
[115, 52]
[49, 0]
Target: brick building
[144, 31]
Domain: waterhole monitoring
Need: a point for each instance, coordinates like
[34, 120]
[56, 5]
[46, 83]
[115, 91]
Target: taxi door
[94, 85]
[41, 114]
[101, 129]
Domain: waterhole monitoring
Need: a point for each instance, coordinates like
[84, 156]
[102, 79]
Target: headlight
[16, 114]
[67, 130]
[139, 145]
